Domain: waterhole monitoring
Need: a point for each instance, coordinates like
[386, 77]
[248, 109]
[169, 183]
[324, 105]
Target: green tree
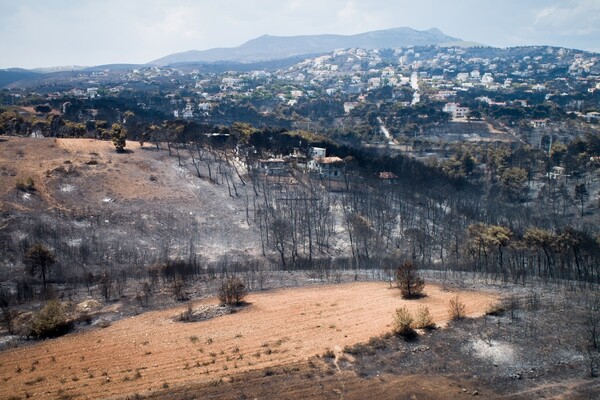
[474, 114]
[243, 131]
[43, 108]
[38, 259]
[487, 240]
[118, 135]
[513, 182]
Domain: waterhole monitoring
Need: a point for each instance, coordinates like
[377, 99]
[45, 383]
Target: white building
[539, 123]
[456, 110]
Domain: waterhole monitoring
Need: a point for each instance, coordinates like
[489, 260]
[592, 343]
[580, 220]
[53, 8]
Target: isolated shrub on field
[232, 291]
[26, 185]
[456, 308]
[403, 323]
[408, 280]
[187, 315]
[51, 321]
[423, 319]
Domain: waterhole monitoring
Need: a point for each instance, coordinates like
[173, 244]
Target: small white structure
[350, 105]
[317, 152]
[539, 123]
[456, 110]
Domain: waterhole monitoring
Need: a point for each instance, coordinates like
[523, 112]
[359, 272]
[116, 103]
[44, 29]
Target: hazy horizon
[39, 33]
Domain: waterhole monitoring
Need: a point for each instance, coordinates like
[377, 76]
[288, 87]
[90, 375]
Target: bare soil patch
[152, 352]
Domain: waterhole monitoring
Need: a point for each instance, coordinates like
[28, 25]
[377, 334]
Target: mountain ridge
[269, 47]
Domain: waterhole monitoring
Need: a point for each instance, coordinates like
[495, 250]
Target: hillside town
[529, 87]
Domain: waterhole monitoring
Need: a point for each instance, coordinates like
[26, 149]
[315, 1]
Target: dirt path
[149, 352]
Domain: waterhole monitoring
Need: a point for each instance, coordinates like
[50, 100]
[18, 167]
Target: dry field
[64, 169]
[151, 352]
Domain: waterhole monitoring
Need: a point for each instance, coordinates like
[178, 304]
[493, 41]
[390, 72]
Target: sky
[45, 33]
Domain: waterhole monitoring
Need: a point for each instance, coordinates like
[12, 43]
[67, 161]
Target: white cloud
[578, 18]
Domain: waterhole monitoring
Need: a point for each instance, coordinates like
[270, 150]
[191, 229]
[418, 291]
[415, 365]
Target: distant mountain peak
[269, 47]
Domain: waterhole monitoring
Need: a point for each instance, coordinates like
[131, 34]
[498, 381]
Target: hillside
[8, 76]
[268, 47]
[87, 197]
[138, 232]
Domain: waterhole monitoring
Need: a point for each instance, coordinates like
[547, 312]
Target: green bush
[51, 321]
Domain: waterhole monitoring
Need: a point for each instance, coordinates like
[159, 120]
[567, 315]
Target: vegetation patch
[205, 312]
[51, 321]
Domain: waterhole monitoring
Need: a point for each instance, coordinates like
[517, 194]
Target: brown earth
[64, 168]
[152, 352]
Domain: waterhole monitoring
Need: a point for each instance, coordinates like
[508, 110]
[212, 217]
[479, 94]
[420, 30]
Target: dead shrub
[26, 185]
[456, 309]
[403, 324]
[329, 354]
[378, 343]
[359, 349]
[187, 315]
[22, 323]
[423, 319]
[178, 289]
[232, 291]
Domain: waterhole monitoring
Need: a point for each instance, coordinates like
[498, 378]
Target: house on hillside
[456, 110]
[297, 159]
[317, 152]
[274, 167]
[331, 169]
[539, 123]
[327, 167]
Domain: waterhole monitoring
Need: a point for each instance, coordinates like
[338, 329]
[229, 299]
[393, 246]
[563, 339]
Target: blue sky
[42, 33]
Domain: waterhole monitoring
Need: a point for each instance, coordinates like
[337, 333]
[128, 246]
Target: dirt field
[64, 168]
[151, 352]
